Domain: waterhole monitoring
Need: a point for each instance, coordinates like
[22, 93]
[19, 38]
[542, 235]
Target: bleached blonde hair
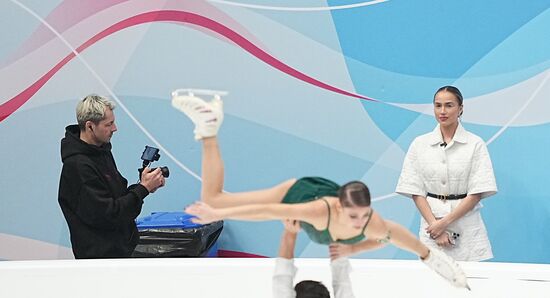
[92, 108]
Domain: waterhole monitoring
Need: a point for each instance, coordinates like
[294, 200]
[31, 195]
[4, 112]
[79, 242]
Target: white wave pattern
[298, 9]
[534, 94]
[522, 104]
[20, 248]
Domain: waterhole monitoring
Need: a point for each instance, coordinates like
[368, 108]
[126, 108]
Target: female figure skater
[328, 212]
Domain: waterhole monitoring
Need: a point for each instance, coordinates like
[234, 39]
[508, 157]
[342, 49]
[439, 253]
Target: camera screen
[150, 153]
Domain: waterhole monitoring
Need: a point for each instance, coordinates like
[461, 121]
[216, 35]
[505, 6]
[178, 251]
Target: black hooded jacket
[99, 207]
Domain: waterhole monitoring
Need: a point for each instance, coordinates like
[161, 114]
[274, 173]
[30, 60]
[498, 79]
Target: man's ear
[89, 125]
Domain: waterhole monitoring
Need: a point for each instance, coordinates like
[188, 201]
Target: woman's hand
[203, 213]
[437, 228]
[443, 240]
[338, 250]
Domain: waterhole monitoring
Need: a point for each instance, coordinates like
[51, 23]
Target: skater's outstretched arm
[309, 212]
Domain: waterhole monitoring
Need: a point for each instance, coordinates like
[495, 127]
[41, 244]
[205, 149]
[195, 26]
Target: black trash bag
[172, 234]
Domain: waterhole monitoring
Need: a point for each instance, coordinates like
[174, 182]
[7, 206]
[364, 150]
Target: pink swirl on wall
[7, 108]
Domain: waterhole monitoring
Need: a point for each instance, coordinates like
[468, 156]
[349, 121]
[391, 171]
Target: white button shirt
[283, 278]
[461, 167]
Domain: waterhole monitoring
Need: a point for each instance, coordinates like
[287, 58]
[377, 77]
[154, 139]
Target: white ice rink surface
[251, 278]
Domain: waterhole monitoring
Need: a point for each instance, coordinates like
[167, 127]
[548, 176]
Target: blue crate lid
[159, 220]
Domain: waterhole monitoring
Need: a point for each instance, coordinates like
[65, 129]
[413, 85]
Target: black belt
[447, 197]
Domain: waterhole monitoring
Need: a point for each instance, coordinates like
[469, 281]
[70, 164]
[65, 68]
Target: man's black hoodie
[99, 207]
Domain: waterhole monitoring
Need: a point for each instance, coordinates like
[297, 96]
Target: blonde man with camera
[96, 201]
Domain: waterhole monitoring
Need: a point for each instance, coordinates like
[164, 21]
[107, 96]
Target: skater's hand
[291, 226]
[437, 228]
[203, 213]
[338, 250]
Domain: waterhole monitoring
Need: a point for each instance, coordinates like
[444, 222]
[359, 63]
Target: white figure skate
[207, 116]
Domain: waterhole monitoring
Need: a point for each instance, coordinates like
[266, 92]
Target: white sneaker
[207, 116]
[445, 266]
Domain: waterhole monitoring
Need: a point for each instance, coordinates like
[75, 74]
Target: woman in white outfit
[447, 172]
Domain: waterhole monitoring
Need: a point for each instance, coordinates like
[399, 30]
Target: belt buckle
[442, 197]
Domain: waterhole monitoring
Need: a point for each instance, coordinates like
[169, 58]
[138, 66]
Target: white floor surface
[243, 278]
